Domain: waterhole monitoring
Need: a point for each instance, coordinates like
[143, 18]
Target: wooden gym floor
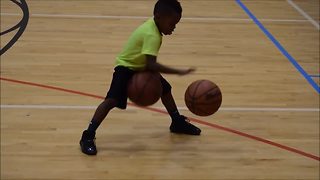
[263, 54]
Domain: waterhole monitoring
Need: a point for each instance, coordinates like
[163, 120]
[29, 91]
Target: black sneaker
[87, 143]
[182, 126]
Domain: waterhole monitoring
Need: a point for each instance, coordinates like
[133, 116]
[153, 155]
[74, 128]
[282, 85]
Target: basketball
[144, 88]
[203, 97]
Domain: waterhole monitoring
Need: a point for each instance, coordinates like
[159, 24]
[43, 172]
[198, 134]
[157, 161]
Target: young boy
[140, 53]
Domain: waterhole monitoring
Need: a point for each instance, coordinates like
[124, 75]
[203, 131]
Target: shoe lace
[185, 119]
[90, 141]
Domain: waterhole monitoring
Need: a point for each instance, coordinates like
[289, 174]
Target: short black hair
[167, 6]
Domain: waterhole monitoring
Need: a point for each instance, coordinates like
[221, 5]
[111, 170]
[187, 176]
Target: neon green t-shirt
[145, 40]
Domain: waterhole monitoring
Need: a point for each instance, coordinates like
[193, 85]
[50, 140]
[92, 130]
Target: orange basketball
[144, 88]
[203, 97]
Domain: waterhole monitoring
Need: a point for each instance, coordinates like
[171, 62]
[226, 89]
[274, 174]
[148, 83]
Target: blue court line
[280, 47]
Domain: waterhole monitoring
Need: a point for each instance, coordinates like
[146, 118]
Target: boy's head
[167, 13]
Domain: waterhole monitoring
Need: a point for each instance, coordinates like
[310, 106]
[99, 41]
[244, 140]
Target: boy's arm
[153, 65]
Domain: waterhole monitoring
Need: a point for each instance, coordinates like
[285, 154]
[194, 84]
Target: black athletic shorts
[118, 87]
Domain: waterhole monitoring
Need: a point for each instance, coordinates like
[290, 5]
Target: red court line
[287, 148]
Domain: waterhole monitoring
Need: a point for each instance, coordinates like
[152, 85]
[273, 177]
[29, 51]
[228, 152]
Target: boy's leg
[179, 123]
[116, 97]
[101, 113]
[170, 105]
[87, 140]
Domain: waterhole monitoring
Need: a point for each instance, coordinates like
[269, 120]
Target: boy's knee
[166, 87]
[110, 103]
[166, 90]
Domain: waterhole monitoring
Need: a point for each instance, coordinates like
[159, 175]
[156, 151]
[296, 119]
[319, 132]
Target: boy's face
[167, 23]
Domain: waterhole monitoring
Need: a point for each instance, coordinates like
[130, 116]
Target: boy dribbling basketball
[140, 53]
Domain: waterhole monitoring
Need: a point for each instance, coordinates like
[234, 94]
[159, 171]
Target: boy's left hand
[186, 71]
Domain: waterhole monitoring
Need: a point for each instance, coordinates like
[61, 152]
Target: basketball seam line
[204, 93]
[194, 93]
